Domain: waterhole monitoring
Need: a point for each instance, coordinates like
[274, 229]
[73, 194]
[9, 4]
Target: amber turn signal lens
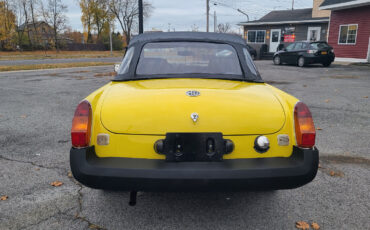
[81, 125]
[304, 128]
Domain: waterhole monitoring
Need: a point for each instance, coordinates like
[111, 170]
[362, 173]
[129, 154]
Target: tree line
[43, 24]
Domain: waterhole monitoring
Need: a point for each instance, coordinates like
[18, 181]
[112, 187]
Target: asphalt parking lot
[36, 109]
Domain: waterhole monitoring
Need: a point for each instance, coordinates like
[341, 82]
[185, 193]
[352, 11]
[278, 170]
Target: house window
[256, 36]
[347, 34]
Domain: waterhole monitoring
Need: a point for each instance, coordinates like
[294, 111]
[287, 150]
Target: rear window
[319, 45]
[188, 58]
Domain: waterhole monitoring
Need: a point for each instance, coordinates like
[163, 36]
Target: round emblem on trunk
[193, 93]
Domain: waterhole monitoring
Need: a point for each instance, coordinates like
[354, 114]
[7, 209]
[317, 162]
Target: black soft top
[187, 36]
[250, 73]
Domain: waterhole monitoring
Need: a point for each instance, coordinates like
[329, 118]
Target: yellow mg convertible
[189, 111]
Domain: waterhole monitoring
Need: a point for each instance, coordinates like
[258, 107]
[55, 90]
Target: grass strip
[53, 66]
[26, 55]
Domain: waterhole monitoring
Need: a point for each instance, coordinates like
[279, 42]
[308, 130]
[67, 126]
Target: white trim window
[347, 34]
[256, 36]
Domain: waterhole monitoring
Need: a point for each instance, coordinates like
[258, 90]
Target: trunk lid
[155, 107]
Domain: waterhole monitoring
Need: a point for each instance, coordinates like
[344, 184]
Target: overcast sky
[182, 15]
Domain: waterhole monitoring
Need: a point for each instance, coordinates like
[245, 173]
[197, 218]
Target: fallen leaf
[56, 183]
[5, 197]
[315, 226]
[37, 169]
[327, 100]
[23, 116]
[69, 174]
[366, 97]
[337, 174]
[318, 128]
[304, 85]
[93, 226]
[302, 225]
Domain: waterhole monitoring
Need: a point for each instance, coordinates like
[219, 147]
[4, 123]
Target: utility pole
[215, 22]
[207, 15]
[292, 4]
[110, 40]
[141, 20]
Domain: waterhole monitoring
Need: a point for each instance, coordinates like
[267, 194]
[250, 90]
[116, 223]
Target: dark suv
[304, 53]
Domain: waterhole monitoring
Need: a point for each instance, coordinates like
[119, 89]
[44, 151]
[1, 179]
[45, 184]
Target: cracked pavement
[36, 110]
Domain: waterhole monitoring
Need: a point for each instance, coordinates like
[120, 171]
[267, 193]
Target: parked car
[188, 111]
[304, 53]
[252, 51]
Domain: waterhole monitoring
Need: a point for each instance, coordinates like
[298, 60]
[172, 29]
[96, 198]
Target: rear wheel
[277, 60]
[326, 64]
[301, 62]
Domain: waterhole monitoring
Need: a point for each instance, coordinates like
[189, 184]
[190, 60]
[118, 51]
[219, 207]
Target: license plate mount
[194, 147]
[324, 53]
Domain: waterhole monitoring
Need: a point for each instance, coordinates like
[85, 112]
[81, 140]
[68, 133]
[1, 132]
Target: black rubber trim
[132, 174]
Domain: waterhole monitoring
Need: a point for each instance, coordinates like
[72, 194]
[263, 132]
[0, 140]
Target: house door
[313, 34]
[274, 40]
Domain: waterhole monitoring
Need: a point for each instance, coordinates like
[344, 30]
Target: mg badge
[193, 93]
[194, 117]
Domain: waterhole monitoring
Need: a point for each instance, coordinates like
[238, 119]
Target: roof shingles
[288, 15]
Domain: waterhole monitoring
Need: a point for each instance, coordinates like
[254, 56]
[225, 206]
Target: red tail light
[81, 125]
[304, 128]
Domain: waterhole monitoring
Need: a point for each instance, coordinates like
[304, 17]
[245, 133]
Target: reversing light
[261, 144]
[81, 125]
[304, 127]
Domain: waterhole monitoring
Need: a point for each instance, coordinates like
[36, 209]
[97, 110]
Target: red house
[349, 29]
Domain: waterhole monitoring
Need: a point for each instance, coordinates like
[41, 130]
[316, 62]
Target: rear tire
[326, 64]
[277, 60]
[301, 62]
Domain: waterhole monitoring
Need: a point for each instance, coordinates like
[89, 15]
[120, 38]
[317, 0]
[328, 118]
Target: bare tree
[54, 15]
[34, 14]
[25, 8]
[126, 12]
[27, 18]
[20, 21]
[224, 28]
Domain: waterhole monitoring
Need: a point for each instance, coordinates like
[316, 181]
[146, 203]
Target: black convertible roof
[187, 36]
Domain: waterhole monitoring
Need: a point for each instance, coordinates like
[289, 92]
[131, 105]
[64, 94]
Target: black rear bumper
[311, 59]
[230, 175]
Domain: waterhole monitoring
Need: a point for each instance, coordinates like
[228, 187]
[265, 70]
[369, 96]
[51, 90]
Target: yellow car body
[190, 112]
[136, 114]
